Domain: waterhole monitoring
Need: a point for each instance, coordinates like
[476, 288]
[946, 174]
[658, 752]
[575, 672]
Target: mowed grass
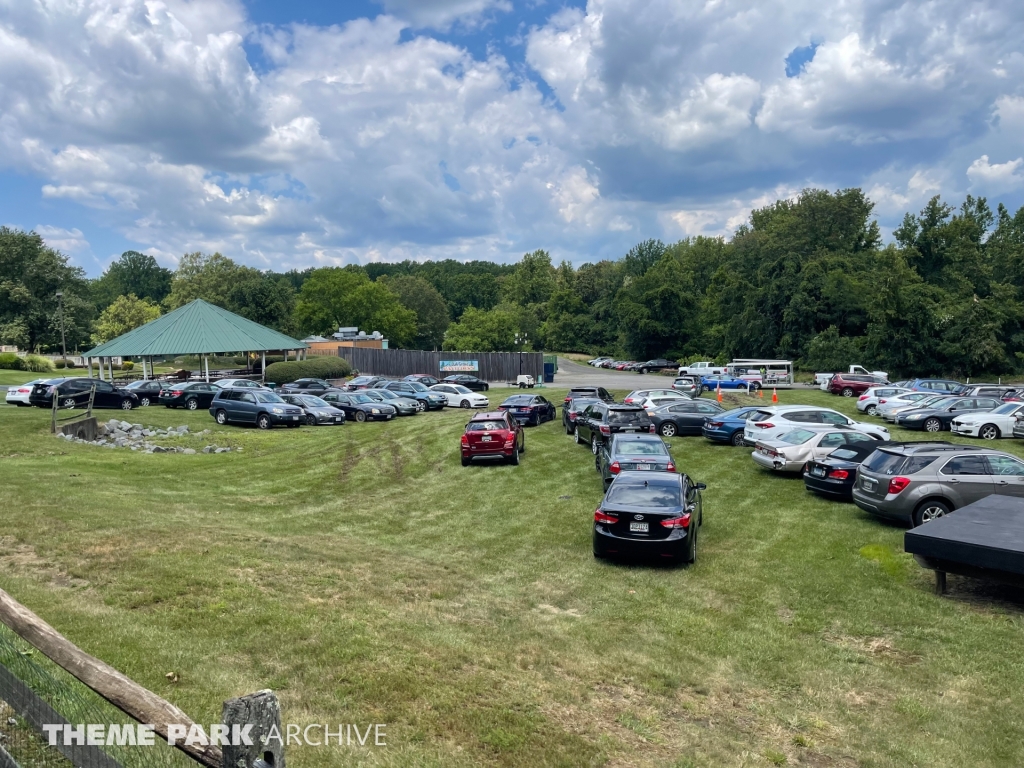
[367, 577]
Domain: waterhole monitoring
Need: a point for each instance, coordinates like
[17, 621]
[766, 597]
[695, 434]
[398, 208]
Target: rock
[146, 433]
[239, 450]
[222, 450]
[189, 451]
[120, 442]
[209, 449]
[158, 449]
[136, 426]
[183, 429]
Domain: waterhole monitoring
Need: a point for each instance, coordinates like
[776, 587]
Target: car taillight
[671, 467]
[176, 392]
[763, 424]
[465, 439]
[614, 468]
[897, 484]
[881, 401]
[601, 517]
[863, 397]
[715, 424]
[840, 474]
[677, 522]
[572, 414]
[605, 429]
[651, 429]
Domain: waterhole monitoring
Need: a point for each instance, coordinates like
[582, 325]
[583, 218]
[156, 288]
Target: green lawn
[366, 576]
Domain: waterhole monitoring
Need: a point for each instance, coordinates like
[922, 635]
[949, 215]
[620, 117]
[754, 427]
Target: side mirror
[701, 487]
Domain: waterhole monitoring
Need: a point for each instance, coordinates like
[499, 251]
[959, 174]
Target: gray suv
[918, 482]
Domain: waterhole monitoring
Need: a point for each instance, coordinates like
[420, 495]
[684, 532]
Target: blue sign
[459, 366]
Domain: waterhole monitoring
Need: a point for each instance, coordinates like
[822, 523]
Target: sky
[300, 134]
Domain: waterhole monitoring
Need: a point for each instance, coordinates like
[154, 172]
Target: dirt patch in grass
[882, 648]
[23, 560]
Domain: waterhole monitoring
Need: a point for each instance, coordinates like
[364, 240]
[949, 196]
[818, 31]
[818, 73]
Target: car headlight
[915, 416]
[375, 410]
[277, 410]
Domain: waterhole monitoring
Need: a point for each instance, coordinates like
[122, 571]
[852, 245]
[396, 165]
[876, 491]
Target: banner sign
[459, 366]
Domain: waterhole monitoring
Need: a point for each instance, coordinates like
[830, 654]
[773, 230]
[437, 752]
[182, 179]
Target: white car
[597, 361]
[242, 383]
[768, 423]
[868, 402]
[792, 449]
[638, 396]
[990, 424]
[890, 409]
[17, 394]
[456, 395]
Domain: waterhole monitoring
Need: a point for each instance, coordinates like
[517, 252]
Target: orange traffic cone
[718, 396]
[760, 393]
[775, 395]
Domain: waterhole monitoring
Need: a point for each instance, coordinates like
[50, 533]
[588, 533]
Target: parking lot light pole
[63, 342]
[521, 341]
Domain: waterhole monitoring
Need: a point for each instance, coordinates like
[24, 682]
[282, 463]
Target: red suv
[850, 384]
[494, 435]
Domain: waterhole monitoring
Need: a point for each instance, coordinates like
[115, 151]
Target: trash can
[549, 373]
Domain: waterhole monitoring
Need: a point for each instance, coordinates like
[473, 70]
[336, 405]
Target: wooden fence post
[262, 711]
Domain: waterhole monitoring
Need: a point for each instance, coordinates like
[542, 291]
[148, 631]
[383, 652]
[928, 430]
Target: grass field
[367, 577]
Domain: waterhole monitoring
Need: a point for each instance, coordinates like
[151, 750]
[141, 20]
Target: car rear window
[641, 448]
[797, 436]
[647, 495]
[627, 417]
[885, 463]
[485, 426]
[268, 397]
[845, 454]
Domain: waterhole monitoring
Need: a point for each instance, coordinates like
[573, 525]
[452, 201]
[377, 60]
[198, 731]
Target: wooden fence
[491, 366]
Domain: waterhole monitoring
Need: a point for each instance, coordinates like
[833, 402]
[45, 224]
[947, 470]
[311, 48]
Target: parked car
[317, 410]
[917, 483]
[423, 378]
[600, 421]
[18, 394]
[649, 514]
[791, 450]
[238, 384]
[148, 390]
[359, 406]
[192, 396]
[467, 381]
[598, 393]
[308, 386]
[683, 416]
[572, 409]
[651, 403]
[596, 362]
[986, 390]
[938, 416]
[936, 386]
[727, 426]
[868, 402]
[253, 406]
[850, 384]
[770, 422]
[889, 409]
[458, 396]
[363, 382]
[638, 396]
[529, 409]
[725, 381]
[431, 401]
[629, 453]
[73, 392]
[493, 435]
[404, 406]
[687, 385]
[658, 364]
[990, 425]
[835, 475]
[701, 369]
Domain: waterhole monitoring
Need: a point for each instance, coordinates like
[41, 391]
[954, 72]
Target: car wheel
[311, 419]
[486, 387]
[522, 386]
[989, 432]
[514, 461]
[704, 388]
[930, 510]
[568, 429]
[420, 407]
[755, 386]
[221, 417]
[144, 402]
[466, 462]
[192, 404]
[360, 417]
[737, 437]
[933, 425]
[847, 392]
[593, 445]
[464, 404]
[668, 429]
[126, 404]
[643, 370]
[68, 402]
[871, 410]
[522, 448]
[576, 436]
[692, 556]
[263, 421]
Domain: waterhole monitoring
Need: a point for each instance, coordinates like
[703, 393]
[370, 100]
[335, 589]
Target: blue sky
[288, 135]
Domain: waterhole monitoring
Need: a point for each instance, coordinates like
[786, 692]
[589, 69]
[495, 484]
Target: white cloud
[70, 241]
[993, 178]
[440, 14]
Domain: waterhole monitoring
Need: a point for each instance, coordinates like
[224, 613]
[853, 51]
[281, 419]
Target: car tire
[871, 410]
[420, 407]
[568, 430]
[221, 417]
[932, 425]
[514, 459]
[576, 436]
[263, 421]
[988, 432]
[466, 462]
[127, 404]
[522, 386]
[642, 370]
[360, 417]
[755, 386]
[704, 388]
[192, 404]
[691, 557]
[593, 445]
[737, 437]
[847, 392]
[144, 402]
[522, 448]
[464, 404]
[668, 429]
[486, 387]
[930, 510]
[68, 402]
[311, 419]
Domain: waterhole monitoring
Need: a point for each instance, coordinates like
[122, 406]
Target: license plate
[337, 418]
[869, 484]
[485, 439]
[643, 466]
[765, 451]
[295, 418]
[638, 527]
[817, 471]
[629, 429]
[523, 410]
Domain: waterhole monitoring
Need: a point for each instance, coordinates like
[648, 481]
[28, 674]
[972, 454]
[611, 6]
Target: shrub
[38, 364]
[127, 365]
[317, 368]
[11, 362]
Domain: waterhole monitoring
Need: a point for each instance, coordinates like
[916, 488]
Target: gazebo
[198, 328]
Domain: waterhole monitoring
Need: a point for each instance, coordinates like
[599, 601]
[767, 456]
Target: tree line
[807, 279]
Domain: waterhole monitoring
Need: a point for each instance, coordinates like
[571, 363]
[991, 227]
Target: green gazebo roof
[198, 328]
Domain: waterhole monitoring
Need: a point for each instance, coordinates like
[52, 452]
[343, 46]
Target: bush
[317, 368]
[61, 363]
[38, 364]
[127, 365]
[11, 362]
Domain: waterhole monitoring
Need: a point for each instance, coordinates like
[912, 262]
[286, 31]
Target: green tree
[135, 273]
[263, 298]
[202, 276]
[125, 314]
[493, 330]
[426, 301]
[533, 280]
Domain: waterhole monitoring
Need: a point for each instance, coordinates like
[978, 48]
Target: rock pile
[123, 434]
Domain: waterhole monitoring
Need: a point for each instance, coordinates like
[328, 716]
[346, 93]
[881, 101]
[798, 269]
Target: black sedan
[358, 406]
[573, 408]
[363, 382]
[937, 416]
[659, 364]
[529, 409]
[683, 417]
[306, 386]
[836, 474]
[317, 410]
[469, 382]
[641, 453]
[649, 514]
[192, 396]
[74, 392]
[148, 390]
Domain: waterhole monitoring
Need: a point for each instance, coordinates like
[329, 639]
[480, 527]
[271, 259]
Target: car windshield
[626, 417]
[932, 401]
[315, 402]
[384, 394]
[484, 426]
[417, 387]
[360, 380]
[797, 436]
[462, 390]
[1007, 409]
[646, 495]
[268, 397]
[361, 398]
[641, 448]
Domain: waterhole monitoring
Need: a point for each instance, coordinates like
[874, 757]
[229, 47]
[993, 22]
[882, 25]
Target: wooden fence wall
[493, 366]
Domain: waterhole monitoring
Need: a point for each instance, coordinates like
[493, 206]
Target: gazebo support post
[206, 365]
[88, 362]
[263, 367]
